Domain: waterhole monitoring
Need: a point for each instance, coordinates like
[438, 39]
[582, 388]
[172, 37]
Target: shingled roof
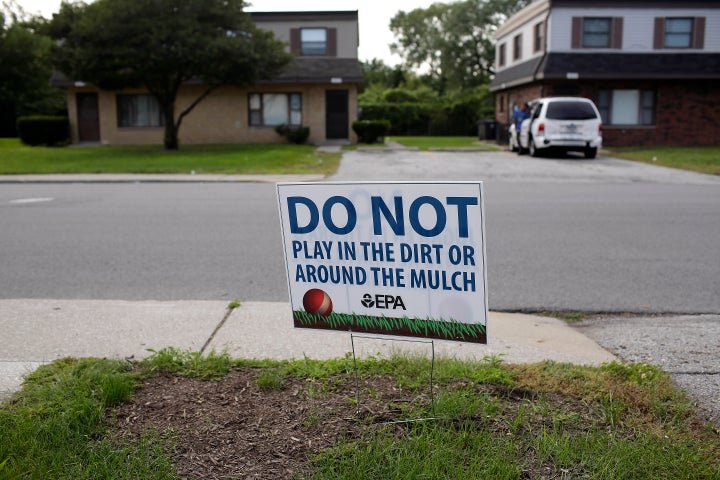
[320, 70]
[616, 66]
[300, 71]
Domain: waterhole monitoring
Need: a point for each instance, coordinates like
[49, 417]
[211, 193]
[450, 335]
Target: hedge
[297, 135]
[404, 118]
[43, 130]
[371, 131]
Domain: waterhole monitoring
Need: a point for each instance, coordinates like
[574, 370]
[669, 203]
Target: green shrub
[43, 130]
[397, 95]
[296, 135]
[371, 131]
[404, 118]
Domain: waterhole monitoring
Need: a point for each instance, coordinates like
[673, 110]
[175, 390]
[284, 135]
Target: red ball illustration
[317, 302]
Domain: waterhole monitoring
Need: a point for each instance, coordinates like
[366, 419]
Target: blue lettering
[396, 223]
[314, 214]
[440, 217]
[351, 214]
[462, 204]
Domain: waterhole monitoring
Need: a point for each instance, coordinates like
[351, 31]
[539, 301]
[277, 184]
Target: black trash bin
[490, 129]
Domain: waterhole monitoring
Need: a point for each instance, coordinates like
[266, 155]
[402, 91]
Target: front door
[336, 114]
[88, 117]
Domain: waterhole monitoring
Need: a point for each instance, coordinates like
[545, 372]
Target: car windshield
[570, 111]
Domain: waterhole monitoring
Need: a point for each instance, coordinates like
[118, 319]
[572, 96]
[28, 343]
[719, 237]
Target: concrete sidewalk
[39, 331]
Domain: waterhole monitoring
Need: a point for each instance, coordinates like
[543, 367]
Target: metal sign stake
[432, 370]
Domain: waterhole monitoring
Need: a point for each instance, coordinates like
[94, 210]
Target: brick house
[319, 90]
[651, 66]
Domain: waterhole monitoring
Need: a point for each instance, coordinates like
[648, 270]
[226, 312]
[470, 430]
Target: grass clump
[188, 364]
[54, 427]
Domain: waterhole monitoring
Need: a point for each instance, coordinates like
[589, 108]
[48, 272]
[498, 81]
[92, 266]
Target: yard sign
[402, 259]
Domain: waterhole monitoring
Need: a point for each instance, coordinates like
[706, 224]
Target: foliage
[43, 130]
[25, 71]
[453, 41]
[160, 45]
[405, 119]
[376, 72]
[371, 131]
[421, 111]
[296, 135]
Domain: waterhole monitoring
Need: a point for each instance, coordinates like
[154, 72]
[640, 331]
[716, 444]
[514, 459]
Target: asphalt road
[568, 234]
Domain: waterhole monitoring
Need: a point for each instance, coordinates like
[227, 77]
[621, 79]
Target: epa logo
[383, 302]
[367, 301]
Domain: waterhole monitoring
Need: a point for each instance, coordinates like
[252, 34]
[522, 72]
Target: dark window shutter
[332, 42]
[699, 33]
[659, 33]
[577, 26]
[617, 32]
[295, 40]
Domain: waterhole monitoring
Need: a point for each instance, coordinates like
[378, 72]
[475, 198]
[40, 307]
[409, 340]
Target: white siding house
[652, 67]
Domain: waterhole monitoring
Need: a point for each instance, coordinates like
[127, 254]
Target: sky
[374, 18]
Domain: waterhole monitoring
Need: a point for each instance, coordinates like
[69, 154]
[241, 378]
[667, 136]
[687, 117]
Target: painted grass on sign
[428, 327]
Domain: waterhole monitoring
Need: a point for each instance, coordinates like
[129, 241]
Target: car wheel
[534, 152]
[590, 152]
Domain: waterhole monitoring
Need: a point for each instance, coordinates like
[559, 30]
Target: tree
[25, 69]
[378, 73]
[162, 44]
[453, 41]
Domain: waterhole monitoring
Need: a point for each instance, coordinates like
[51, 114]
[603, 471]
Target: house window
[538, 37]
[139, 111]
[313, 41]
[596, 32]
[271, 109]
[517, 47]
[501, 55]
[627, 107]
[678, 32]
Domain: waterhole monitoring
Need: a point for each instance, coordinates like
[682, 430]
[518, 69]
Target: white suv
[566, 124]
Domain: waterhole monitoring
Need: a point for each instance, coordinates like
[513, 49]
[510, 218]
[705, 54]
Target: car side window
[536, 111]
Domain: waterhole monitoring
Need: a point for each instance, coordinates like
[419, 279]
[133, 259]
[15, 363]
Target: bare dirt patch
[232, 428]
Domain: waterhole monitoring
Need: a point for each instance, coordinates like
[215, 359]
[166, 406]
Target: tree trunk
[170, 141]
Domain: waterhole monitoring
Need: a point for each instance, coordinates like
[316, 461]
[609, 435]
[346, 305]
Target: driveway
[404, 164]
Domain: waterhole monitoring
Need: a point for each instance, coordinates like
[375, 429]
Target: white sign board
[402, 259]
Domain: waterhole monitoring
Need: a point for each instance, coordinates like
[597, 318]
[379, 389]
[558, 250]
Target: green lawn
[16, 158]
[697, 159]
[545, 420]
[425, 143]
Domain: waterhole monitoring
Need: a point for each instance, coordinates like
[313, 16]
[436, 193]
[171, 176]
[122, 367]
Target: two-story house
[651, 66]
[319, 90]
